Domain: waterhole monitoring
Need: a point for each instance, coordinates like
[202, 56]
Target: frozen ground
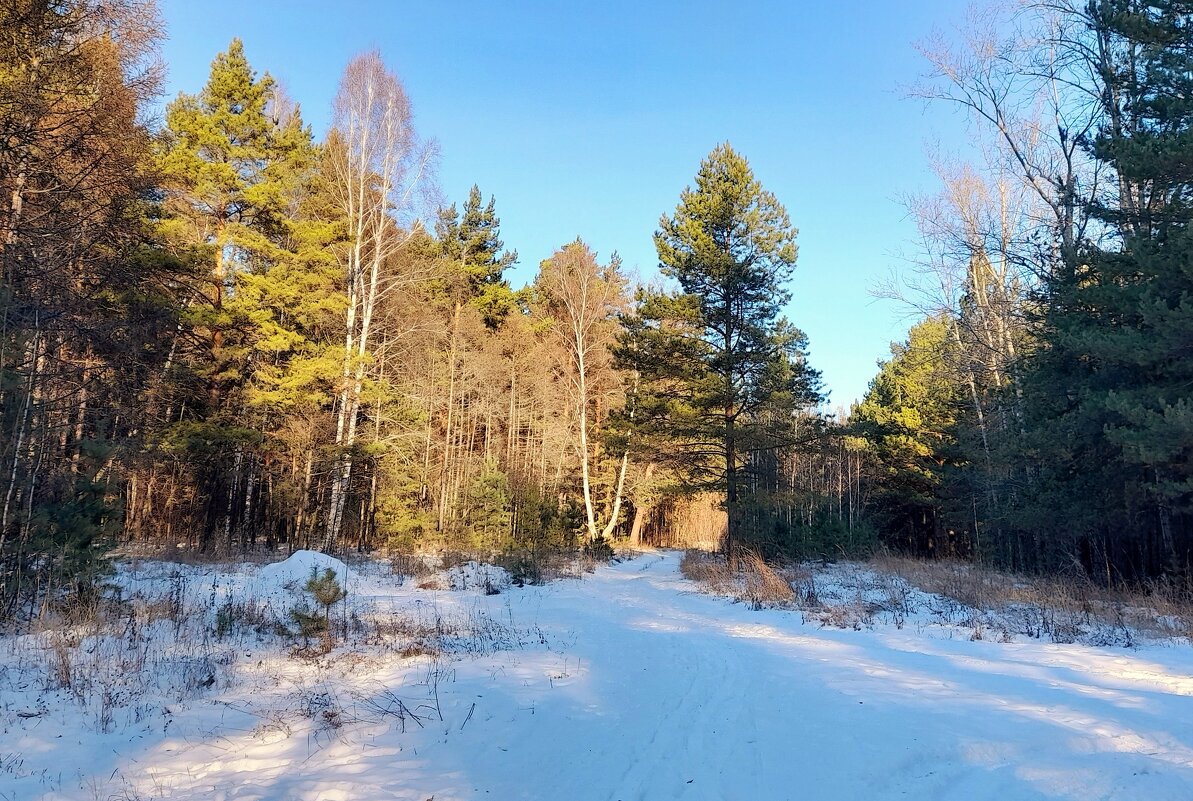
[626, 685]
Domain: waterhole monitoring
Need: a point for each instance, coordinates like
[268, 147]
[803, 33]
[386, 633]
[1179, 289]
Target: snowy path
[648, 690]
[685, 696]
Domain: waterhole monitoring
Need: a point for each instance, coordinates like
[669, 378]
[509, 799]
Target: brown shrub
[409, 565]
[420, 648]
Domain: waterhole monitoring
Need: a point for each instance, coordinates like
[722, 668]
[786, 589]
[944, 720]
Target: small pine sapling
[309, 624]
[327, 592]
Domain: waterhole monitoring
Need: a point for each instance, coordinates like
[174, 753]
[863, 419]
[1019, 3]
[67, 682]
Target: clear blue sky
[589, 119]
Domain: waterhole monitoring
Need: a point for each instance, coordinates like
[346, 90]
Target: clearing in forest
[627, 684]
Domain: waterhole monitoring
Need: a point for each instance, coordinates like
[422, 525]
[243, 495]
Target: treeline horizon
[222, 335]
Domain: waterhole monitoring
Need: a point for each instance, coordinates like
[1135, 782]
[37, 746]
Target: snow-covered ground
[628, 684]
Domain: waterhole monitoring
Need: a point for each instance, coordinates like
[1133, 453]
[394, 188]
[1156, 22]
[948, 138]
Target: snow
[628, 684]
[291, 574]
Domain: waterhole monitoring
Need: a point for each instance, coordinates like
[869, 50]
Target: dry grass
[409, 636]
[697, 522]
[409, 565]
[753, 580]
[709, 570]
[963, 582]
[764, 587]
[991, 604]
[134, 552]
[122, 657]
[1059, 607]
[544, 565]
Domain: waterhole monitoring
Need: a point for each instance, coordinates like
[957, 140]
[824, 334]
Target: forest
[220, 334]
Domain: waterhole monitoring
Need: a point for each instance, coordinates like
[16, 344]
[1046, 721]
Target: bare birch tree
[379, 166]
[583, 298]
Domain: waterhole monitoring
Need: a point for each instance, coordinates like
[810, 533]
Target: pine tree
[908, 423]
[471, 283]
[1112, 411]
[472, 246]
[1152, 273]
[238, 166]
[230, 166]
[722, 373]
[488, 507]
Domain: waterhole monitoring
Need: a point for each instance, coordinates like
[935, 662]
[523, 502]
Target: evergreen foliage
[325, 589]
[1110, 425]
[487, 511]
[908, 423]
[722, 373]
[472, 246]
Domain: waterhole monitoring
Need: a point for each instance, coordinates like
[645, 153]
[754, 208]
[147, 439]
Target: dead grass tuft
[409, 565]
[993, 604]
[420, 648]
[753, 581]
[765, 588]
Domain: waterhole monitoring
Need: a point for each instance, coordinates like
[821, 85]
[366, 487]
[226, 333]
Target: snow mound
[293, 573]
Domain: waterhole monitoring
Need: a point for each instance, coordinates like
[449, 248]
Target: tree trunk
[731, 497]
[641, 511]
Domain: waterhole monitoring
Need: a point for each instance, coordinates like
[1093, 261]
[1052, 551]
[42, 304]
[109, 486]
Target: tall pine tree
[722, 372]
[907, 421]
[236, 162]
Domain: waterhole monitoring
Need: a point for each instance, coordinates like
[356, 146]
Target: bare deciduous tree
[1029, 99]
[380, 167]
[583, 298]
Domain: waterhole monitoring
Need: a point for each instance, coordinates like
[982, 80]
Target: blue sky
[589, 119]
